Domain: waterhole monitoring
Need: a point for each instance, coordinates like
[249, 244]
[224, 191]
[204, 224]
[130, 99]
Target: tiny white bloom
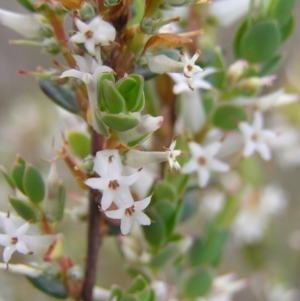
[256, 137]
[131, 214]
[189, 67]
[113, 185]
[203, 161]
[172, 154]
[97, 32]
[16, 239]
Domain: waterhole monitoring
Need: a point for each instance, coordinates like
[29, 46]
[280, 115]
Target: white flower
[89, 70]
[131, 214]
[26, 25]
[203, 161]
[183, 84]
[189, 67]
[255, 137]
[113, 185]
[15, 239]
[95, 33]
[172, 154]
[257, 209]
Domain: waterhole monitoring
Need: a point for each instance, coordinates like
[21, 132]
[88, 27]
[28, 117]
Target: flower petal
[190, 166]
[72, 73]
[249, 148]
[204, 175]
[107, 198]
[264, 151]
[141, 205]
[97, 183]
[196, 150]
[258, 121]
[115, 214]
[142, 218]
[126, 223]
[7, 252]
[216, 165]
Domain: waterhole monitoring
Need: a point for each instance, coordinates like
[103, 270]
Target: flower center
[202, 161]
[129, 211]
[88, 34]
[254, 137]
[113, 184]
[189, 67]
[14, 240]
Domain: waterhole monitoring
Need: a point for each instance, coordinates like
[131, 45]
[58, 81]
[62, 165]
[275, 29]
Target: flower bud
[87, 12]
[236, 71]
[161, 64]
[86, 164]
[50, 45]
[26, 25]
[111, 3]
[252, 84]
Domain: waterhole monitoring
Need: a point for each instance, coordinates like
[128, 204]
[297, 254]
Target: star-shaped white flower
[189, 67]
[16, 239]
[184, 84]
[203, 161]
[89, 69]
[113, 185]
[172, 154]
[256, 137]
[97, 32]
[131, 214]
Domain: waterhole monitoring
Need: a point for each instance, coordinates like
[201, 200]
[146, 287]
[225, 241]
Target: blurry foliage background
[29, 123]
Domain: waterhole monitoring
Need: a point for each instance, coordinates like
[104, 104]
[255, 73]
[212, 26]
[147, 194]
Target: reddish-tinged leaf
[166, 40]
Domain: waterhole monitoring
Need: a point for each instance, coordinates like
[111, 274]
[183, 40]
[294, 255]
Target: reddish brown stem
[94, 237]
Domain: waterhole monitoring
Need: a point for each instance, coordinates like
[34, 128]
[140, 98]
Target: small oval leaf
[120, 122]
[34, 185]
[17, 175]
[23, 209]
[227, 117]
[10, 181]
[79, 143]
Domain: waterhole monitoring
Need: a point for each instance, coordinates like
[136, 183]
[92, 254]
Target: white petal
[22, 230]
[5, 240]
[9, 227]
[126, 223]
[98, 183]
[196, 150]
[216, 165]
[264, 151]
[39, 244]
[142, 218]
[81, 62]
[205, 73]
[258, 121]
[268, 134]
[7, 252]
[249, 148]
[89, 44]
[190, 166]
[201, 84]
[212, 149]
[204, 175]
[141, 205]
[107, 198]
[246, 129]
[103, 162]
[21, 247]
[115, 214]
[128, 180]
[78, 38]
[81, 26]
[123, 194]
[72, 73]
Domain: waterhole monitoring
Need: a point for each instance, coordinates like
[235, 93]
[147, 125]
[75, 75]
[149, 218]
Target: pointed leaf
[79, 143]
[103, 129]
[17, 175]
[10, 181]
[28, 5]
[271, 66]
[120, 122]
[113, 100]
[138, 284]
[282, 10]
[60, 95]
[100, 88]
[34, 185]
[50, 286]
[287, 29]
[23, 209]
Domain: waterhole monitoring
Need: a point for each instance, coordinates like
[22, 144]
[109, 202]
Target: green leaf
[287, 29]
[218, 78]
[146, 295]
[260, 42]
[138, 284]
[138, 7]
[113, 99]
[238, 37]
[17, 175]
[271, 66]
[59, 95]
[104, 130]
[156, 232]
[164, 256]
[227, 117]
[50, 286]
[198, 283]
[188, 208]
[167, 211]
[34, 185]
[23, 209]
[10, 181]
[28, 5]
[100, 88]
[120, 122]
[226, 216]
[136, 141]
[281, 10]
[116, 293]
[79, 142]
[164, 191]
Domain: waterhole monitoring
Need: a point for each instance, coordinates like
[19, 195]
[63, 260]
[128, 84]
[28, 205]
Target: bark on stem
[94, 238]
